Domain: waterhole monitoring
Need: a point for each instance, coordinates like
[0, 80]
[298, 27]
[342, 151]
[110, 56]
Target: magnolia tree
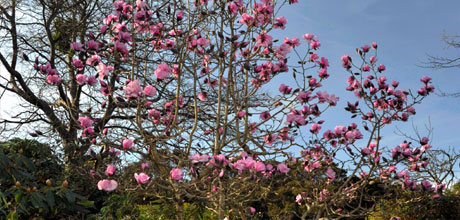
[175, 87]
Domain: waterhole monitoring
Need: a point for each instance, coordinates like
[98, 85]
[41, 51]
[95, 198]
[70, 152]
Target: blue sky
[406, 32]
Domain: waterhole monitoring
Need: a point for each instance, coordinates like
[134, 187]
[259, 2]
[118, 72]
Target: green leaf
[87, 203]
[50, 198]
[70, 196]
[13, 216]
[17, 197]
[4, 159]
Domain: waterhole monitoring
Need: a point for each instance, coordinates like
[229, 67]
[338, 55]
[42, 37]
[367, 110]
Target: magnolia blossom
[163, 71]
[85, 122]
[330, 173]
[110, 170]
[283, 168]
[177, 174]
[133, 89]
[141, 178]
[150, 91]
[127, 144]
[107, 185]
[196, 158]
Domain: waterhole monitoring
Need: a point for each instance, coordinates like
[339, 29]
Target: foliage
[31, 183]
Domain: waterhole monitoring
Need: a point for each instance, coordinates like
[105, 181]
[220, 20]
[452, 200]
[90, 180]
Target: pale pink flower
[52, 79]
[133, 89]
[76, 46]
[81, 79]
[330, 173]
[252, 209]
[283, 168]
[107, 185]
[196, 158]
[163, 71]
[141, 178]
[203, 96]
[309, 37]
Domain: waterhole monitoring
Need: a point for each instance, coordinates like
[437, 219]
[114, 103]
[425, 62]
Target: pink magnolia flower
[107, 185]
[330, 173]
[103, 70]
[280, 22]
[78, 64]
[93, 60]
[196, 158]
[85, 122]
[127, 144]
[246, 19]
[110, 170]
[177, 174]
[81, 79]
[298, 199]
[309, 37]
[283, 168]
[163, 71]
[93, 45]
[76, 46]
[260, 166]
[133, 89]
[203, 96]
[52, 79]
[145, 165]
[252, 209]
[263, 39]
[150, 91]
[141, 178]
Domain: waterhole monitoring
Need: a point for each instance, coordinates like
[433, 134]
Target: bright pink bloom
[110, 170]
[260, 166]
[246, 19]
[163, 71]
[141, 178]
[107, 185]
[283, 168]
[280, 22]
[263, 39]
[85, 122]
[150, 91]
[252, 209]
[177, 174]
[127, 144]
